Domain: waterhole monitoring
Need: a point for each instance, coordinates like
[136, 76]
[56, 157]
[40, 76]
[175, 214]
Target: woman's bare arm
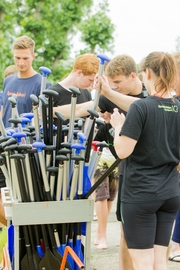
[81, 109]
[122, 101]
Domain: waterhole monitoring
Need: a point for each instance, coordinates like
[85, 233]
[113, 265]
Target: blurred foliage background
[57, 26]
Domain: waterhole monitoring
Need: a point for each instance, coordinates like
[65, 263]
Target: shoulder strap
[144, 91]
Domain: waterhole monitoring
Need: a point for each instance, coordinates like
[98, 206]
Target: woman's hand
[117, 119]
[105, 87]
[104, 84]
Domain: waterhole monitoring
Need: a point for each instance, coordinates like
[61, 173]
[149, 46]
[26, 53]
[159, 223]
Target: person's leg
[149, 259]
[175, 242]
[142, 259]
[109, 206]
[125, 261]
[160, 258]
[109, 190]
[101, 206]
[102, 217]
[168, 252]
[165, 219]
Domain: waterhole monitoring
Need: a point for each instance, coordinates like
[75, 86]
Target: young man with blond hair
[25, 82]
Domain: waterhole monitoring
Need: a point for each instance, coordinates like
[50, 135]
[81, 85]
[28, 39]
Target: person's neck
[68, 82]
[162, 94]
[26, 74]
[137, 89]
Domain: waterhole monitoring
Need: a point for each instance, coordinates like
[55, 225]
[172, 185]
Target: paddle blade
[86, 180]
[11, 242]
[27, 262]
[49, 261]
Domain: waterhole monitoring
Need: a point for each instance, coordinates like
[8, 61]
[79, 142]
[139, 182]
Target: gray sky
[144, 26]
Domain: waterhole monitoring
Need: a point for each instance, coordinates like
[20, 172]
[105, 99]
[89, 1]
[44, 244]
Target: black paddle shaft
[99, 181]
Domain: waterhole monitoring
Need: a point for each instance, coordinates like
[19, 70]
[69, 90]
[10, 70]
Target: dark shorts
[149, 224]
[109, 187]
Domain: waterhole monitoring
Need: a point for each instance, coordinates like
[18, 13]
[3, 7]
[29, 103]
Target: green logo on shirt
[173, 108]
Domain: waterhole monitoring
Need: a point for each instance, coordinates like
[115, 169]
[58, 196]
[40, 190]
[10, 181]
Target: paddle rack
[55, 212]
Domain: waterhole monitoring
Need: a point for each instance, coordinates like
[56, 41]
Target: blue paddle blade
[86, 180]
[11, 242]
[83, 228]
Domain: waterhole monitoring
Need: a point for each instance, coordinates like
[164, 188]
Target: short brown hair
[12, 69]
[24, 42]
[121, 65]
[88, 63]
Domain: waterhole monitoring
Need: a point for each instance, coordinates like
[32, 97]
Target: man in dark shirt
[82, 77]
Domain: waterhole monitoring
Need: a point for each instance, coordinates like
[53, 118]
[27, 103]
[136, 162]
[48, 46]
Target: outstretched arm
[81, 109]
[122, 101]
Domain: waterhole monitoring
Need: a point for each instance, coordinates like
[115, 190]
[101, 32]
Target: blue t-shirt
[1, 96]
[23, 88]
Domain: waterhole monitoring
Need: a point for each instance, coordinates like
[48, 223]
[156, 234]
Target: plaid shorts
[109, 187]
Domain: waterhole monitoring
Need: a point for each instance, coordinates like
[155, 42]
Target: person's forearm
[122, 101]
[81, 109]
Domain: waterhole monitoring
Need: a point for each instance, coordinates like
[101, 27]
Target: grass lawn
[3, 241]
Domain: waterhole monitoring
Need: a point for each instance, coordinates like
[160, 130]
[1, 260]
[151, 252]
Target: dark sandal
[173, 259]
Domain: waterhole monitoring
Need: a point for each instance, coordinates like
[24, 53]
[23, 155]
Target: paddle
[103, 59]
[39, 146]
[78, 158]
[99, 181]
[29, 261]
[45, 71]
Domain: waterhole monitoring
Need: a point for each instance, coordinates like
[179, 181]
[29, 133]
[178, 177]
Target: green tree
[7, 34]
[97, 29]
[53, 24]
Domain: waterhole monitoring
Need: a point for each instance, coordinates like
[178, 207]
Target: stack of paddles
[44, 162]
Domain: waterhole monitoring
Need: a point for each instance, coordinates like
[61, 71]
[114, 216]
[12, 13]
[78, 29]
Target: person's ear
[148, 73]
[33, 55]
[133, 75]
[79, 71]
